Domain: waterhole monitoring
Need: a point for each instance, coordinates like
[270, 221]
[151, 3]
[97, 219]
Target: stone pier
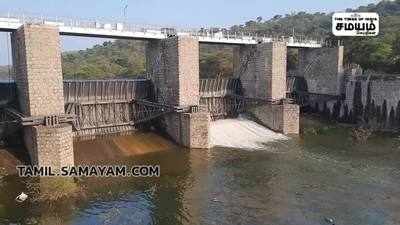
[173, 66]
[323, 70]
[322, 62]
[262, 71]
[37, 60]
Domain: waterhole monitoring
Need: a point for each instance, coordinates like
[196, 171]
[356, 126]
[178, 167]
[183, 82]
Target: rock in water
[22, 197]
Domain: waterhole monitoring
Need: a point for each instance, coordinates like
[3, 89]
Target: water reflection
[298, 181]
[139, 200]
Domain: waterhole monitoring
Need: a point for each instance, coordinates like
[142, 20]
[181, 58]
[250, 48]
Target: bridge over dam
[51, 111]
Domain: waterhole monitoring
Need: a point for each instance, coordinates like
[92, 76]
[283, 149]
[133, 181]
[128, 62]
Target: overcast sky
[181, 13]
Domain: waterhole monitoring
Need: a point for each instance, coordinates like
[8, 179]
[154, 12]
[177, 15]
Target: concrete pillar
[323, 69]
[281, 117]
[173, 66]
[262, 70]
[37, 62]
[189, 129]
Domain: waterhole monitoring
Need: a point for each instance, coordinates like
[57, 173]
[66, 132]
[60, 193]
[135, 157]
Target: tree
[124, 58]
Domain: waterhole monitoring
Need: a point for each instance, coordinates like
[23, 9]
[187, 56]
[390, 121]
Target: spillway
[242, 133]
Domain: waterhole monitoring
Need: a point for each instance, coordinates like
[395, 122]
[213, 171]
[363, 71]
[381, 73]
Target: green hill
[123, 58]
[120, 58]
[126, 58]
[381, 53]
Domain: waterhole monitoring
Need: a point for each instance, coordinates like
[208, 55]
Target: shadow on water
[139, 200]
[319, 174]
[126, 200]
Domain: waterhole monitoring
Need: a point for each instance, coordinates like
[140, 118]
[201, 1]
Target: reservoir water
[270, 179]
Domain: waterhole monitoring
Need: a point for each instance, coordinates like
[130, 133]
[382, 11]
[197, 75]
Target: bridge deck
[128, 31]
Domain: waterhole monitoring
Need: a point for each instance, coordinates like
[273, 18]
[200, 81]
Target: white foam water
[242, 133]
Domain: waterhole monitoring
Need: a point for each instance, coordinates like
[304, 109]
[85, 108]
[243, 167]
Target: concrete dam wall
[372, 100]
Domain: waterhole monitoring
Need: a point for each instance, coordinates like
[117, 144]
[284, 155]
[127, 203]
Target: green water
[322, 173]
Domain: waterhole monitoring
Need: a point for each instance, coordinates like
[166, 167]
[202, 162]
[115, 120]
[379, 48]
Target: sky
[179, 13]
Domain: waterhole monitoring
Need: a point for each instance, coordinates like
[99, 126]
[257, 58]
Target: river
[297, 180]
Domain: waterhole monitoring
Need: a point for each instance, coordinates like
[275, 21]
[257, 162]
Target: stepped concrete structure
[52, 112]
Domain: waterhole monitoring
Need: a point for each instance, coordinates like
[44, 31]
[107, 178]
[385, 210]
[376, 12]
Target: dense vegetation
[216, 61]
[381, 53]
[123, 58]
[115, 59]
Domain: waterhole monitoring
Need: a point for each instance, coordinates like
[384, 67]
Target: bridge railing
[106, 90]
[81, 23]
[158, 30]
[228, 34]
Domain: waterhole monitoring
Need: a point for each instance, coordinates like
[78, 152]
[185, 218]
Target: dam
[269, 121]
[171, 95]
